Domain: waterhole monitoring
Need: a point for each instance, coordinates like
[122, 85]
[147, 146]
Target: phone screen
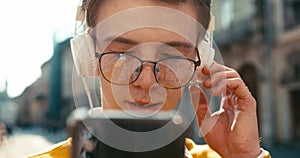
[86, 145]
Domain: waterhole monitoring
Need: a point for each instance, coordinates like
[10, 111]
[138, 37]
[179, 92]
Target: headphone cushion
[206, 53]
[83, 52]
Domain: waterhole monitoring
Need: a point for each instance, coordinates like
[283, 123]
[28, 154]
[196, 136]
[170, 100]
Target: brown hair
[203, 7]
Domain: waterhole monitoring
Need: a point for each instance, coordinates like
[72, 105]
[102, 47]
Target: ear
[83, 52]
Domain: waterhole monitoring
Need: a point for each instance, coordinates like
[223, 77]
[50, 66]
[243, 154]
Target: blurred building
[263, 45]
[48, 101]
[8, 109]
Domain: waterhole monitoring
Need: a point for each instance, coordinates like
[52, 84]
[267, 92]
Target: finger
[215, 78]
[215, 67]
[227, 103]
[200, 104]
[200, 76]
[239, 90]
[204, 117]
[231, 83]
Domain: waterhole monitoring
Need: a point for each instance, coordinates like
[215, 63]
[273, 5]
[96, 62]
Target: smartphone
[86, 144]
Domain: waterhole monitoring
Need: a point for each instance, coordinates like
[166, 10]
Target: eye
[156, 69]
[138, 69]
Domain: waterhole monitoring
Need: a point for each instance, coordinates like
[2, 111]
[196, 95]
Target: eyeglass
[124, 69]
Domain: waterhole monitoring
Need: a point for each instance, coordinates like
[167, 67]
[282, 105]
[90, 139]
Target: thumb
[200, 104]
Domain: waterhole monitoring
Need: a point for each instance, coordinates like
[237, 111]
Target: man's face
[147, 44]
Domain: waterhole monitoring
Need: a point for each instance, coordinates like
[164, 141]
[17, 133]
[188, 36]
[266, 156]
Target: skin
[241, 140]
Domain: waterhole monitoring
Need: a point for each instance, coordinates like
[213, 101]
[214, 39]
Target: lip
[143, 108]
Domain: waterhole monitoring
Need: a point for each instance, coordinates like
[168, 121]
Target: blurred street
[29, 141]
[51, 136]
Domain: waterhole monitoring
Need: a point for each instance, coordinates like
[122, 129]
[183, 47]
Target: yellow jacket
[63, 150]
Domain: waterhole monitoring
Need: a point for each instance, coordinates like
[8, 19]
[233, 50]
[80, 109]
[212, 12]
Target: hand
[226, 135]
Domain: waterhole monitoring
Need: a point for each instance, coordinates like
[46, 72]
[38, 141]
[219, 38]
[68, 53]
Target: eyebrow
[132, 42]
[176, 2]
[121, 40]
[179, 44]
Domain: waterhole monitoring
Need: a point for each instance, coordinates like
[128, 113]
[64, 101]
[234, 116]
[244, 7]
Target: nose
[146, 78]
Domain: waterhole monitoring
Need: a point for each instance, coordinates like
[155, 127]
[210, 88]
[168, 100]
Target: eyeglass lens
[124, 69]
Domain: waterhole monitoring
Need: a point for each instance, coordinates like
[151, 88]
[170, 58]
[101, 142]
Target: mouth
[154, 107]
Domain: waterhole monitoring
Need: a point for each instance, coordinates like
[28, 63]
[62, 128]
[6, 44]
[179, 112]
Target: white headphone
[86, 64]
[83, 49]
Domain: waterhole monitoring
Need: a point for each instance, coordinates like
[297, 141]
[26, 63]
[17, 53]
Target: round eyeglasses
[124, 69]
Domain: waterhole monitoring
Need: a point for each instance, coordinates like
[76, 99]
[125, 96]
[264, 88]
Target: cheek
[173, 97]
[107, 99]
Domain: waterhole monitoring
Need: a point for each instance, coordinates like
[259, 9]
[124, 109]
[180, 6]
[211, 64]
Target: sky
[28, 29]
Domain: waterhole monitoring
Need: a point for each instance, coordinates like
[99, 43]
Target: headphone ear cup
[207, 53]
[83, 52]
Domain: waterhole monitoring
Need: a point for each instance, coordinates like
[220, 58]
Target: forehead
[146, 35]
[147, 21]
[111, 7]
